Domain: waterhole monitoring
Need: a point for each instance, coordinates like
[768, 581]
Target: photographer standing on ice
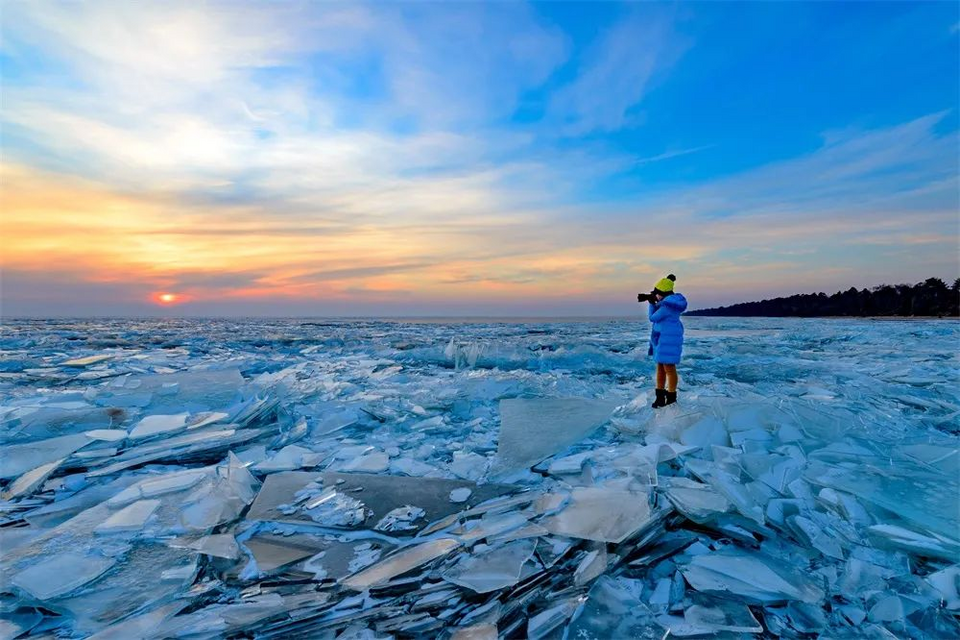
[666, 336]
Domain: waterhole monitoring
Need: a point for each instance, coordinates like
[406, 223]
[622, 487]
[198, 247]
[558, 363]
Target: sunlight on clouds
[321, 152]
[113, 237]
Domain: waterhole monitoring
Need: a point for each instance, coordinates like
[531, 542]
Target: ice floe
[375, 479]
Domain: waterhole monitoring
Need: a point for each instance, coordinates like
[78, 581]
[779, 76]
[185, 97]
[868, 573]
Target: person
[666, 337]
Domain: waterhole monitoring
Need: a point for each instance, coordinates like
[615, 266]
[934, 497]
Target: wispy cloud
[669, 155]
[616, 74]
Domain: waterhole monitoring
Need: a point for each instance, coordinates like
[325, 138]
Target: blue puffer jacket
[666, 335]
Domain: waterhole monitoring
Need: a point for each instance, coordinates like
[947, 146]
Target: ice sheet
[805, 484]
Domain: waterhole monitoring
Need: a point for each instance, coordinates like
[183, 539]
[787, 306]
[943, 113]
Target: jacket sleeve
[662, 312]
[652, 308]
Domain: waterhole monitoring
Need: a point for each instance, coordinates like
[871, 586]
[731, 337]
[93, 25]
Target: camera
[647, 297]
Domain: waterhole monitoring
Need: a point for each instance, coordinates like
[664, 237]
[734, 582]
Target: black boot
[669, 397]
[661, 398]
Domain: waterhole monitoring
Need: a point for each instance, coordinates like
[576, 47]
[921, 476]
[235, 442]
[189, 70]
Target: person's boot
[669, 397]
[661, 398]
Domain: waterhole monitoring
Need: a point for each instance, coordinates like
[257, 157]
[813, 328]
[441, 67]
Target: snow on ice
[377, 479]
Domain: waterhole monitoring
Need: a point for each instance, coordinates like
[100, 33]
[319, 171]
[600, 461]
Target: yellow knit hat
[666, 284]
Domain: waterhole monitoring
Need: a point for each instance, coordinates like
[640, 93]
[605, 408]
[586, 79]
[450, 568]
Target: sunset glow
[306, 159]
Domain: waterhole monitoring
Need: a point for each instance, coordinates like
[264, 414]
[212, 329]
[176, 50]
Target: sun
[167, 298]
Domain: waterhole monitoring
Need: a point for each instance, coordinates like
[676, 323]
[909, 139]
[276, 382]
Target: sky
[506, 158]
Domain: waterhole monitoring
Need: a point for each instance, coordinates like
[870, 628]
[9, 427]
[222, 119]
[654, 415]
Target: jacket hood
[676, 301]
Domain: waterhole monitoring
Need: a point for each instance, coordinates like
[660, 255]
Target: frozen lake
[371, 479]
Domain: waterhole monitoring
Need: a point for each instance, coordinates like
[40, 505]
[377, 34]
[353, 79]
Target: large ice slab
[86, 361]
[378, 494]
[532, 429]
[711, 617]
[698, 501]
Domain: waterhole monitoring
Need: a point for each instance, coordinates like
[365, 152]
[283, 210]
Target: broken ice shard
[400, 519]
[698, 501]
[400, 563]
[752, 576]
[604, 515]
[614, 610]
[272, 551]
[32, 479]
[87, 361]
[158, 425]
[492, 569]
[222, 545]
[711, 617]
[130, 518]
[17, 459]
[62, 573]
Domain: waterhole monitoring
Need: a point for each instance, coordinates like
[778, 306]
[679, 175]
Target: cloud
[353, 273]
[843, 205]
[463, 64]
[617, 73]
[857, 178]
[669, 155]
[296, 154]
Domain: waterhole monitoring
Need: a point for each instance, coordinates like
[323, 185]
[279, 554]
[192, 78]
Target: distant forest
[932, 297]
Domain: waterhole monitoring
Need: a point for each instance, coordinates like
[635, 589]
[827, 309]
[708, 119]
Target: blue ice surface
[809, 471]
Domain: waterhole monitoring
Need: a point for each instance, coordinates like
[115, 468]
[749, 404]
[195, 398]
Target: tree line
[932, 297]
